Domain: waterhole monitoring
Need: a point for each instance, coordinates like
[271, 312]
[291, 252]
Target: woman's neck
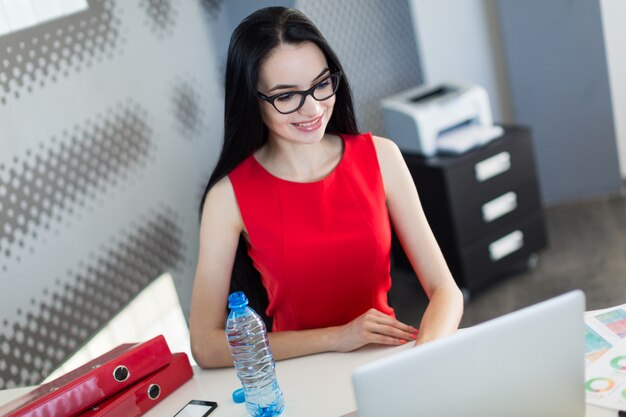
[301, 162]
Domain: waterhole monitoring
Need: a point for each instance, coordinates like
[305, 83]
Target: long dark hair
[250, 44]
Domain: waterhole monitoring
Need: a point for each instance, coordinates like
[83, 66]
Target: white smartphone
[197, 408]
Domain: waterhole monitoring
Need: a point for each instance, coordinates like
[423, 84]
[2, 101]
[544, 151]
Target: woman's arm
[445, 308]
[220, 228]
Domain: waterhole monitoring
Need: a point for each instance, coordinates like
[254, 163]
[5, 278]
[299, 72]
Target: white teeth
[307, 124]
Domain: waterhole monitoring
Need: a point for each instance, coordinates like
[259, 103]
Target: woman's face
[288, 68]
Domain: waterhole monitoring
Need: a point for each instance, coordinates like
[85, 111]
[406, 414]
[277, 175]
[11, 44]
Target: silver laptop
[527, 363]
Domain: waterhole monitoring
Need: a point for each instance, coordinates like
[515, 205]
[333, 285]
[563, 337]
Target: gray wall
[559, 81]
[461, 40]
[613, 18]
[110, 119]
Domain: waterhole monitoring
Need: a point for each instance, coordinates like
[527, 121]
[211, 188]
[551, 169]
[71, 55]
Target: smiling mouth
[308, 124]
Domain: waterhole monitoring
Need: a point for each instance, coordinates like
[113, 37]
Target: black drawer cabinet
[483, 207]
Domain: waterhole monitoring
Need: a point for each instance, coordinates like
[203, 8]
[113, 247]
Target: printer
[446, 118]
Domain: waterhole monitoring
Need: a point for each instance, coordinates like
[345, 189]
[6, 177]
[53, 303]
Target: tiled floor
[587, 250]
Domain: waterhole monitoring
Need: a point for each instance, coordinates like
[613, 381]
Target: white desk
[315, 386]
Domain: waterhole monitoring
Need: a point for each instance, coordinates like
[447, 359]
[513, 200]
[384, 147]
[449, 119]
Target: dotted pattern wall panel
[212, 7]
[110, 122]
[45, 185]
[376, 44]
[35, 56]
[160, 16]
[189, 109]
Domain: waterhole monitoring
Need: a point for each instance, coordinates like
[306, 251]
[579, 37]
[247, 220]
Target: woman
[310, 198]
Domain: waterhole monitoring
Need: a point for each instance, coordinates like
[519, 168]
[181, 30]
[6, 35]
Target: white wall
[460, 40]
[613, 18]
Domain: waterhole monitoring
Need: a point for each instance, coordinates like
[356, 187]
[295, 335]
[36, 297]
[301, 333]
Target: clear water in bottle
[253, 359]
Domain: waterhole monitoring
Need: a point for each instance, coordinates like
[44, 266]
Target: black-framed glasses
[291, 101]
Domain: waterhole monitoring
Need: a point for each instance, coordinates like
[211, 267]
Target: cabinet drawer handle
[506, 245]
[499, 206]
[492, 166]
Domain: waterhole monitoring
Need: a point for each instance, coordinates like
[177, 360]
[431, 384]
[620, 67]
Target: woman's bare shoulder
[387, 151]
[221, 202]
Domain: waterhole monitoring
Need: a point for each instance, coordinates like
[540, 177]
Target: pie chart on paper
[619, 363]
[599, 384]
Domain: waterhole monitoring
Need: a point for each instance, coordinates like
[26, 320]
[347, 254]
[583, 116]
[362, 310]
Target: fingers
[406, 331]
[385, 340]
[374, 326]
[390, 331]
[381, 328]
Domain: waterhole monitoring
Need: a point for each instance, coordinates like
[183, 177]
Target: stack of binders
[125, 382]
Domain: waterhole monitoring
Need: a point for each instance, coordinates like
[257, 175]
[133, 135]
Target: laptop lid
[526, 363]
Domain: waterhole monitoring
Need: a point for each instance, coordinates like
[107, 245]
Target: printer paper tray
[462, 139]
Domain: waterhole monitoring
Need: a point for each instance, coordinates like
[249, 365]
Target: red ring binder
[93, 382]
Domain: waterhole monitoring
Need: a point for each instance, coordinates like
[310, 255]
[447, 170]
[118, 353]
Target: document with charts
[605, 357]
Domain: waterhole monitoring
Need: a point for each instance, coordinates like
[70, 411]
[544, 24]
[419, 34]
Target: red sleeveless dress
[322, 248]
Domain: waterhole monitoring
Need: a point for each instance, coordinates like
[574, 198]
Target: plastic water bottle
[253, 359]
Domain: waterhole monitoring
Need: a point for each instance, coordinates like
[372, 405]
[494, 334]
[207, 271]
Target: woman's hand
[373, 327]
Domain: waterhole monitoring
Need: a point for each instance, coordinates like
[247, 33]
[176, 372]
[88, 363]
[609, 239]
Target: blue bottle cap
[239, 396]
[237, 300]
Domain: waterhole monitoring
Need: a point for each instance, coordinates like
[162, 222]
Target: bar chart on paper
[595, 345]
[615, 321]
